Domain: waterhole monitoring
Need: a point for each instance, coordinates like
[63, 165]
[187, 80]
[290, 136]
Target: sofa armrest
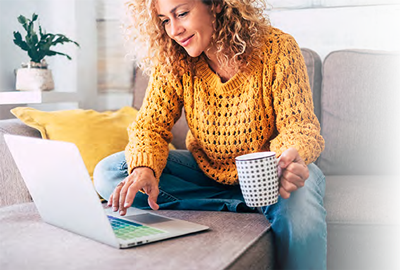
[12, 187]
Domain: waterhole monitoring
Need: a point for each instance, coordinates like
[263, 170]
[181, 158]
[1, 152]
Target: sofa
[356, 98]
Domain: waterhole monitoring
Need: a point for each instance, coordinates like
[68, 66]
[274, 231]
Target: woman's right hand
[142, 178]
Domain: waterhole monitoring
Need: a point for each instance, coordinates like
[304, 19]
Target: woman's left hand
[294, 172]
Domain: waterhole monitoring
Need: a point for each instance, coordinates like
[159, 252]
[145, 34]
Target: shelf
[34, 97]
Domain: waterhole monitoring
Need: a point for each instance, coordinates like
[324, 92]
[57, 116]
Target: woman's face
[188, 22]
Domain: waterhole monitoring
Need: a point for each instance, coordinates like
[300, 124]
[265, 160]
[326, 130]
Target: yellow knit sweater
[267, 107]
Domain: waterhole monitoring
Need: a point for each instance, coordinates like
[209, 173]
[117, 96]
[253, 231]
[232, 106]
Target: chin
[193, 53]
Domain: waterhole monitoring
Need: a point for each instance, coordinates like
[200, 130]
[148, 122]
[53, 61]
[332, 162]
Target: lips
[186, 41]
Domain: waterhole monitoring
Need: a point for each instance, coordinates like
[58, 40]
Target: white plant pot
[34, 79]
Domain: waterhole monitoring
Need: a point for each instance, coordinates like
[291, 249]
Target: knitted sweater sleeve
[297, 126]
[150, 134]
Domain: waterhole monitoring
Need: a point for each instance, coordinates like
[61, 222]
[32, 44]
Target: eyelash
[181, 15]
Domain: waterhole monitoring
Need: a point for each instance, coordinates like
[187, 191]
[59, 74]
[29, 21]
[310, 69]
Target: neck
[225, 73]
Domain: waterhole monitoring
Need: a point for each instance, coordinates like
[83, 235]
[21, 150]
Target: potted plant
[35, 74]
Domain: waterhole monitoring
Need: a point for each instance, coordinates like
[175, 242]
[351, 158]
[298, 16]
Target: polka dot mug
[258, 178]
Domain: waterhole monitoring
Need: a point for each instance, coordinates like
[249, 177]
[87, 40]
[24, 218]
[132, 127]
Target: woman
[244, 88]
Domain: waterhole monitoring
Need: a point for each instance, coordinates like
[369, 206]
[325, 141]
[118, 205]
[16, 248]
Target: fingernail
[115, 209]
[126, 205]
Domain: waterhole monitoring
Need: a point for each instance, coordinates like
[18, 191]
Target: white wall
[327, 25]
[115, 70]
[86, 33]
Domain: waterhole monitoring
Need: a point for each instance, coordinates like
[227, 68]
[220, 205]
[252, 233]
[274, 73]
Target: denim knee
[299, 224]
[108, 173]
[305, 205]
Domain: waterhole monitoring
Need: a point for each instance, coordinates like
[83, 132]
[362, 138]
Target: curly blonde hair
[240, 30]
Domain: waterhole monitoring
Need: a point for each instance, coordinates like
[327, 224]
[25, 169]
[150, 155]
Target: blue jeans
[298, 223]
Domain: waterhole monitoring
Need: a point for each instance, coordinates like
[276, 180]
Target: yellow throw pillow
[96, 134]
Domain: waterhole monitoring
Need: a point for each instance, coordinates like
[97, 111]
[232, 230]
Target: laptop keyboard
[125, 230]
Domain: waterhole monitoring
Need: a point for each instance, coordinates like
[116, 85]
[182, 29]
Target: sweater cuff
[143, 160]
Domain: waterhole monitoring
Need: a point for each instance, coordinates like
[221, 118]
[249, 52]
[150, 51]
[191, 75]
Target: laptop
[63, 193]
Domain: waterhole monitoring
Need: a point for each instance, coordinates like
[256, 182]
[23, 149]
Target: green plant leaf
[35, 39]
[19, 42]
[60, 53]
[32, 40]
[17, 36]
[33, 54]
[22, 19]
[46, 42]
[61, 39]
[38, 46]
[31, 30]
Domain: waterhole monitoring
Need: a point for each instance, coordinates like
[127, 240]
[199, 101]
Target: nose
[175, 28]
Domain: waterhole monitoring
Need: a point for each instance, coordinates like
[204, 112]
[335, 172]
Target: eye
[164, 22]
[183, 14]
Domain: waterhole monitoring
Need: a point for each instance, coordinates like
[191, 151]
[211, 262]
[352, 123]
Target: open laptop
[62, 190]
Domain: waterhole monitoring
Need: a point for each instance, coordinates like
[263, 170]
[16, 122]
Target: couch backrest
[180, 128]
[179, 131]
[360, 112]
[314, 71]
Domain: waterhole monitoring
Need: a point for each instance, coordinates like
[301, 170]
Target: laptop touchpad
[147, 218]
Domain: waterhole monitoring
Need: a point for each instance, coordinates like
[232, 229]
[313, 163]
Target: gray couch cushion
[362, 200]
[29, 243]
[10, 178]
[180, 129]
[15, 126]
[360, 94]
[363, 222]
